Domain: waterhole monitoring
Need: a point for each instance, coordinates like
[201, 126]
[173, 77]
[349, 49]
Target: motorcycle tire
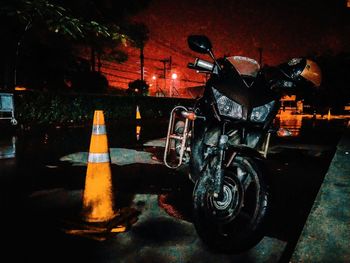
[234, 223]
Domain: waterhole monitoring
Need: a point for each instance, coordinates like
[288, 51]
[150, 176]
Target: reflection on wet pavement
[43, 197]
[119, 156]
[8, 147]
[291, 122]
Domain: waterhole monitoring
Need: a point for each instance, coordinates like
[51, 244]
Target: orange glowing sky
[284, 29]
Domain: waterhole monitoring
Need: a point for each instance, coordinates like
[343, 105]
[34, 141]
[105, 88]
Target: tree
[139, 35]
[115, 14]
[44, 17]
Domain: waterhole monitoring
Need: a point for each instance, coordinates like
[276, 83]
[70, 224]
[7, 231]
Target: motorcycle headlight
[259, 114]
[226, 106]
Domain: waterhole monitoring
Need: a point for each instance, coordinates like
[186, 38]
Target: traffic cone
[138, 115]
[138, 132]
[98, 203]
[329, 114]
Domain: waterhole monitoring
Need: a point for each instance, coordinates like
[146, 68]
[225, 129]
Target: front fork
[219, 171]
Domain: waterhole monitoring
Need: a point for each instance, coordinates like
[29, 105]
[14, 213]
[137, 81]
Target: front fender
[243, 150]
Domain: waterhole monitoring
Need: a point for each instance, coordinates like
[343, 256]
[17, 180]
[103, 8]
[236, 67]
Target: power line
[119, 81]
[121, 70]
[148, 58]
[117, 76]
[130, 66]
[173, 47]
[137, 73]
[192, 81]
[120, 64]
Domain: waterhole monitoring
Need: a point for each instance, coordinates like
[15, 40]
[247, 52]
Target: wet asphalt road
[39, 194]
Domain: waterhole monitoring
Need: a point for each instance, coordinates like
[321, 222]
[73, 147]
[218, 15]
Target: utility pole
[164, 71]
[170, 63]
[165, 61]
[142, 61]
[172, 82]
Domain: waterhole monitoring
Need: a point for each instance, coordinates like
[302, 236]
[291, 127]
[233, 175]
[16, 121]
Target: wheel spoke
[244, 177]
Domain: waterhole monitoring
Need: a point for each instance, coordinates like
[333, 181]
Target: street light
[173, 78]
[159, 91]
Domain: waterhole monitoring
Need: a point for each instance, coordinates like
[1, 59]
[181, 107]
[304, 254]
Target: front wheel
[233, 222]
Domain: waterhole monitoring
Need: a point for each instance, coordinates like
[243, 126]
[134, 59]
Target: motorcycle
[224, 139]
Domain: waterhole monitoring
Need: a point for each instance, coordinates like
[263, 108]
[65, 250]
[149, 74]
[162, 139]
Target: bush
[138, 87]
[47, 108]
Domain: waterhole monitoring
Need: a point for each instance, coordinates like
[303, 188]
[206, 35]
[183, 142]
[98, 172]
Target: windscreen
[245, 66]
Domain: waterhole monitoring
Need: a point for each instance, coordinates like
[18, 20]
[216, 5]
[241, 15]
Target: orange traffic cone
[329, 114]
[138, 115]
[98, 203]
[138, 132]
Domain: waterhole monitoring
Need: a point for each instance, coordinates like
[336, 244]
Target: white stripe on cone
[98, 158]
[99, 129]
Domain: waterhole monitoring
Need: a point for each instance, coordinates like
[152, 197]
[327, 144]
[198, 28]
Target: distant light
[154, 77]
[20, 88]
[174, 76]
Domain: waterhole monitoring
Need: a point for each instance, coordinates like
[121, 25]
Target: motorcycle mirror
[199, 43]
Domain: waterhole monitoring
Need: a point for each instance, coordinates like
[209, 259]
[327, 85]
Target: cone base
[98, 201]
[101, 231]
[100, 220]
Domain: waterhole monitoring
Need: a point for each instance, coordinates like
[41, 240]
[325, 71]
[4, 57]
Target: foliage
[56, 27]
[138, 34]
[115, 55]
[56, 18]
[90, 81]
[48, 108]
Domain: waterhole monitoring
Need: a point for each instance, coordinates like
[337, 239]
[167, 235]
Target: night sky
[283, 29]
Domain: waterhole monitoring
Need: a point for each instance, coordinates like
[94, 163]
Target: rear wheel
[233, 222]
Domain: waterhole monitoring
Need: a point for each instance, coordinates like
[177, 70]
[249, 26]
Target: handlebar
[191, 66]
[202, 65]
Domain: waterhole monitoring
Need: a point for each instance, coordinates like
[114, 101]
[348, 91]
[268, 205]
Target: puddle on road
[156, 143]
[290, 122]
[8, 147]
[119, 156]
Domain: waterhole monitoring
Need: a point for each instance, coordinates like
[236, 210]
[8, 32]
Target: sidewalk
[326, 234]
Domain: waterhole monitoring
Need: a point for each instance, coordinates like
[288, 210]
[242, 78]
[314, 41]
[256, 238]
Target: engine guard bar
[179, 113]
